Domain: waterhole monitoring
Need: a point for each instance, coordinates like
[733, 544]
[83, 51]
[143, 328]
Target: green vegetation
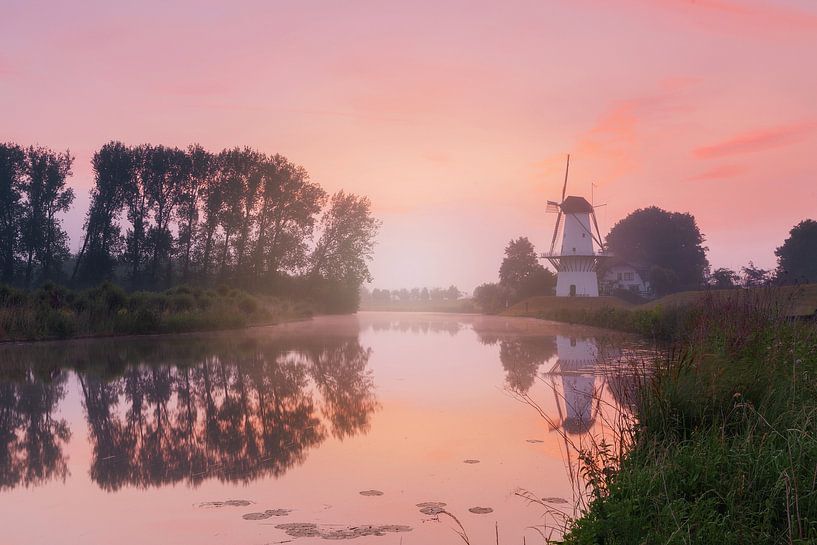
[520, 276]
[54, 312]
[723, 448]
[161, 216]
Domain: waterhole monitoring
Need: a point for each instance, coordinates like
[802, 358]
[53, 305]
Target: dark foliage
[797, 257]
[668, 244]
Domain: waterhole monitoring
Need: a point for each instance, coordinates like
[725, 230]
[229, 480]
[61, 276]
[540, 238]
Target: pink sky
[454, 117]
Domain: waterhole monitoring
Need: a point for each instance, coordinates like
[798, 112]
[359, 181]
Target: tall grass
[723, 447]
[55, 312]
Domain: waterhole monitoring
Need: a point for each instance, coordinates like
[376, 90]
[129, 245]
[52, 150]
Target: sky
[453, 117]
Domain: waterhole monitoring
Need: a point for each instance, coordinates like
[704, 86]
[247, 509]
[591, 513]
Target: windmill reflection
[575, 368]
[219, 409]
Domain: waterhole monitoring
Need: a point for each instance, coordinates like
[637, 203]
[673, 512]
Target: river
[336, 427]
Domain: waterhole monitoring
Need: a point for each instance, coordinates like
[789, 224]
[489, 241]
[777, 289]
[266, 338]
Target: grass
[723, 447]
[54, 312]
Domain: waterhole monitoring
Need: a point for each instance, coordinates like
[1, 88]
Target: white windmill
[577, 261]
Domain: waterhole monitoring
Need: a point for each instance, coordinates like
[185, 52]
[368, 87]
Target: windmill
[577, 260]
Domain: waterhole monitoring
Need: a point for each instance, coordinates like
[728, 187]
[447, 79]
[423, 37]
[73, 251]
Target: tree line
[668, 248]
[162, 215]
[451, 293]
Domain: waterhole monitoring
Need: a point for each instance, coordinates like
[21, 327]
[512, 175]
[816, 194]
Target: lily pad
[469, 461]
[307, 529]
[267, 514]
[228, 503]
[481, 510]
[371, 493]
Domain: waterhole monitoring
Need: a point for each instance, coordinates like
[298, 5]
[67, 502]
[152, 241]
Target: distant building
[620, 275]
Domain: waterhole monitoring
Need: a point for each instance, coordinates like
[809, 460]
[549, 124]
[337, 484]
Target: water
[219, 438]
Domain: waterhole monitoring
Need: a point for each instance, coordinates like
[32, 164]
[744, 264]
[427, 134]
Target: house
[620, 275]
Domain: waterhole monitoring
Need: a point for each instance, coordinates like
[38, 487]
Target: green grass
[724, 444]
[54, 312]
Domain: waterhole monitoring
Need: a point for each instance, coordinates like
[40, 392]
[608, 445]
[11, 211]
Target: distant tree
[797, 257]
[424, 295]
[653, 237]
[723, 278]
[12, 170]
[452, 293]
[114, 171]
[347, 238]
[522, 273]
[754, 277]
[492, 298]
[46, 195]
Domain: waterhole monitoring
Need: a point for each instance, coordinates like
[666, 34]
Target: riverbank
[723, 444]
[54, 312]
[667, 318]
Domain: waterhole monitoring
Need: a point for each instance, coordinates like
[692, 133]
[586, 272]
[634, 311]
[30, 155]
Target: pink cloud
[720, 172]
[757, 140]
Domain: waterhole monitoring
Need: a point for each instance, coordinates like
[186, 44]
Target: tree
[346, 243]
[492, 298]
[165, 172]
[42, 236]
[114, 170]
[12, 169]
[754, 277]
[290, 204]
[723, 278]
[190, 197]
[452, 293]
[522, 273]
[797, 257]
[652, 237]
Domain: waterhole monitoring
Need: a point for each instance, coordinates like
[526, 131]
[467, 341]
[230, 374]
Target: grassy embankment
[667, 318]
[54, 312]
[723, 448]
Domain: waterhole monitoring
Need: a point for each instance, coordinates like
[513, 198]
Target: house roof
[576, 205]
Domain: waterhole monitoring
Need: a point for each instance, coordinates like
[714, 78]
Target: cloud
[763, 17]
[618, 133]
[757, 140]
[719, 172]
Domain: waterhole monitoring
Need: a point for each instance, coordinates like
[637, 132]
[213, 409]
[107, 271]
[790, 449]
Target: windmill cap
[576, 205]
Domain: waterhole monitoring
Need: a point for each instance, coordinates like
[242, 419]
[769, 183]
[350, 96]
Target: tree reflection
[521, 357]
[233, 410]
[31, 437]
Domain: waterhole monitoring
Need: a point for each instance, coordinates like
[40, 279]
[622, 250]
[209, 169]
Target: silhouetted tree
[797, 257]
[723, 278]
[42, 237]
[652, 237]
[12, 170]
[754, 277]
[290, 204]
[114, 172]
[191, 193]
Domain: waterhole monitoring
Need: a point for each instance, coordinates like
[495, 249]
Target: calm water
[193, 439]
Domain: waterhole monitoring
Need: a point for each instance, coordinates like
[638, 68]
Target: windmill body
[577, 260]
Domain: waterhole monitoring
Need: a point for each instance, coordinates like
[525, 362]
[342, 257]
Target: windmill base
[577, 284]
